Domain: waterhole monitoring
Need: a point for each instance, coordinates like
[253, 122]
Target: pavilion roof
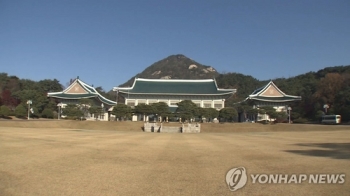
[79, 90]
[272, 93]
[174, 87]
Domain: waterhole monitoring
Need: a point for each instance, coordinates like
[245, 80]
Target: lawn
[107, 158]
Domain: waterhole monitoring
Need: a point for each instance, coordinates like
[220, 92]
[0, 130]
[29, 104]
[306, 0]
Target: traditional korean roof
[272, 93]
[174, 87]
[79, 90]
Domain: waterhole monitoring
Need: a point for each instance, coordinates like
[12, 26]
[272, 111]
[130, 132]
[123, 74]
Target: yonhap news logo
[237, 178]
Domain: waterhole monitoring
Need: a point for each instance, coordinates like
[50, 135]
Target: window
[141, 102]
[207, 105]
[152, 101]
[131, 103]
[218, 105]
[198, 104]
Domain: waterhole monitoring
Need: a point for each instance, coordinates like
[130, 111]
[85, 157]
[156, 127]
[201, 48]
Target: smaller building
[78, 90]
[270, 95]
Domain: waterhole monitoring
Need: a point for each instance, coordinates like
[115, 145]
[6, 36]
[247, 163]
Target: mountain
[329, 86]
[176, 67]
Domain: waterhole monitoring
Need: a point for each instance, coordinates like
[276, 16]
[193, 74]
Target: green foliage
[281, 117]
[34, 112]
[161, 109]
[21, 111]
[84, 105]
[269, 110]
[72, 111]
[4, 111]
[300, 120]
[319, 115]
[327, 86]
[47, 113]
[186, 110]
[95, 110]
[121, 111]
[144, 109]
[207, 113]
[228, 114]
[245, 85]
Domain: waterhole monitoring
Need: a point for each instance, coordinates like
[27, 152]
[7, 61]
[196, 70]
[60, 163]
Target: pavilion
[78, 90]
[270, 95]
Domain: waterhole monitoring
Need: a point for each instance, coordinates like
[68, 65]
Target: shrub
[47, 113]
[21, 111]
[300, 120]
[4, 111]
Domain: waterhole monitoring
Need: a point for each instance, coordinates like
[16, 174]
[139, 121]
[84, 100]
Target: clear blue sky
[109, 41]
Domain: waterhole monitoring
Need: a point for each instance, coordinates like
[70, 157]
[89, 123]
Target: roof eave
[131, 93]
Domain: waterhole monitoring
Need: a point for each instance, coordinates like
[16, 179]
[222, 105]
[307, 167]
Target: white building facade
[203, 92]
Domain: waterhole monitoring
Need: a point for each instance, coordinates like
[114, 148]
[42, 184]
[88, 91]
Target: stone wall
[191, 128]
[185, 128]
[151, 127]
[170, 129]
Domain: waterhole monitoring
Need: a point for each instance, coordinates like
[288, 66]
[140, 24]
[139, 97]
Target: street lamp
[59, 110]
[325, 106]
[29, 102]
[289, 110]
[102, 115]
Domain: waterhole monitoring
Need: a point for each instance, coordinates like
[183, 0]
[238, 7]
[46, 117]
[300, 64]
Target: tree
[269, 110]
[21, 111]
[84, 105]
[243, 108]
[72, 111]
[203, 113]
[8, 100]
[187, 109]
[228, 114]
[47, 113]
[160, 109]
[39, 99]
[121, 111]
[328, 87]
[253, 112]
[49, 85]
[95, 110]
[144, 110]
[5, 111]
[34, 113]
[208, 113]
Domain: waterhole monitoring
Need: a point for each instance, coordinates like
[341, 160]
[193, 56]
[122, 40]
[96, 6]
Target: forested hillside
[327, 86]
[15, 92]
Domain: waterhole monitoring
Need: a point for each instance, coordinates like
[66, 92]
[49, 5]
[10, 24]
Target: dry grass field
[117, 158]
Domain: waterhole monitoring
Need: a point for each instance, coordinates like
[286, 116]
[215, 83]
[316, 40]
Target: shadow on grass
[331, 150]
